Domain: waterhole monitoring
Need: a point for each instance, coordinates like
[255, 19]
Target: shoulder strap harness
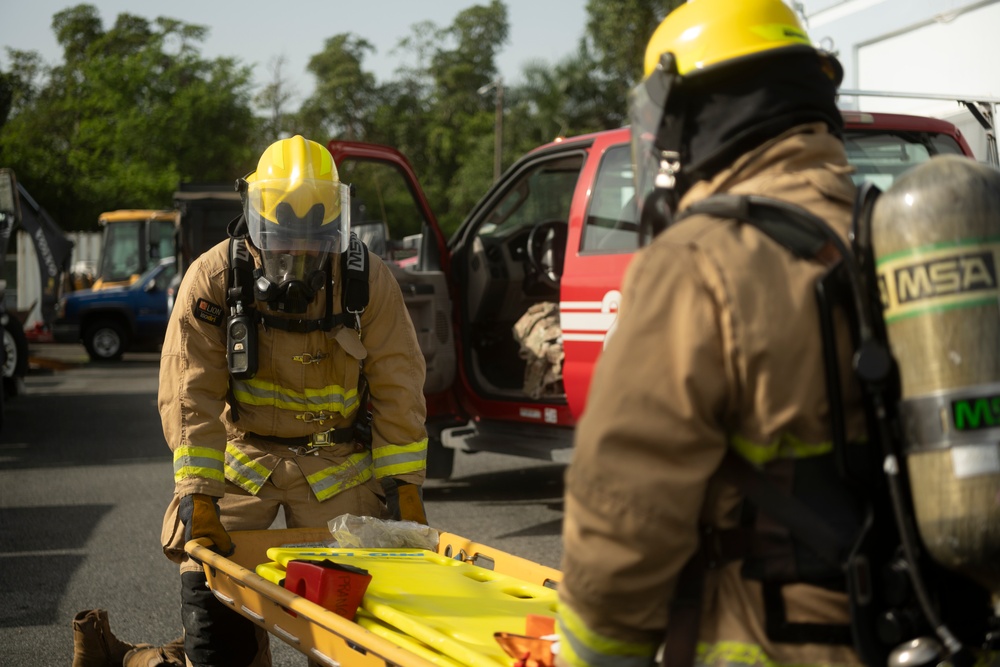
[354, 295]
[884, 571]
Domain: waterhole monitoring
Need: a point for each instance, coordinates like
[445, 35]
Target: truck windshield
[880, 157]
[127, 252]
[120, 259]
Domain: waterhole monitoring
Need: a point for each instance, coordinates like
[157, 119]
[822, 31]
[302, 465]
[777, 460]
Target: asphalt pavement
[85, 475]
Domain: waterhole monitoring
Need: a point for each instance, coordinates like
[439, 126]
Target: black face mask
[289, 296]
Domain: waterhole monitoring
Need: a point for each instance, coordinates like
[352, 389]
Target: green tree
[346, 95]
[130, 113]
[431, 112]
[274, 99]
[463, 120]
[619, 31]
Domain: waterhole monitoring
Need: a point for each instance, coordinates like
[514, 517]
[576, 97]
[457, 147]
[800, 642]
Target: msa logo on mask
[356, 255]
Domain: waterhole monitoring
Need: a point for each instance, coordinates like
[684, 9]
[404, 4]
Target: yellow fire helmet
[298, 216]
[294, 200]
[698, 37]
[704, 33]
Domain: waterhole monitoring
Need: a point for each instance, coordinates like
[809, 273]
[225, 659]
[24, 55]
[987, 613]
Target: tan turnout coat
[306, 383]
[717, 340]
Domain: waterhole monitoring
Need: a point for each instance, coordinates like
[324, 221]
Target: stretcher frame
[319, 633]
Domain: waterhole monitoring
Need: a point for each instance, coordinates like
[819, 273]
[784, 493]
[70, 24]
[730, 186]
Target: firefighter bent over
[291, 378]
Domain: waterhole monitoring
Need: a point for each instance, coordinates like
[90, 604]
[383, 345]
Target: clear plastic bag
[367, 532]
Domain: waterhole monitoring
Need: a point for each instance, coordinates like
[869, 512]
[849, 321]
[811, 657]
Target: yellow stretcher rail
[321, 634]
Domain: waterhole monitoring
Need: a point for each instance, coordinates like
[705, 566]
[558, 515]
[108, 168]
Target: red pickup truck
[556, 229]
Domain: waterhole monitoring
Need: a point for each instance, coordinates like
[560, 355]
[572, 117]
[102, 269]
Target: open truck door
[390, 213]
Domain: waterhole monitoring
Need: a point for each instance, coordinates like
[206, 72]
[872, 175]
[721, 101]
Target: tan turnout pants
[286, 488]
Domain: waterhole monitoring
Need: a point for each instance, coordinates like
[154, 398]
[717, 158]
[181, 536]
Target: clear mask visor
[297, 230]
[647, 104]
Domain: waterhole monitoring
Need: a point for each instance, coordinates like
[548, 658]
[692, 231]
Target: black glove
[200, 514]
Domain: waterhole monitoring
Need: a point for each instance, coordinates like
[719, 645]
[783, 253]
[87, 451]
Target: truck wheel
[105, 340]
[440, 459]
[15, 365]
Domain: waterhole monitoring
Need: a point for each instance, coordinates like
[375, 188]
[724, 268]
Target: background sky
[258, 31]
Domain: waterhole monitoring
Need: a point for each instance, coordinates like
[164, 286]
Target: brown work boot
[94, 645]
[168, 655]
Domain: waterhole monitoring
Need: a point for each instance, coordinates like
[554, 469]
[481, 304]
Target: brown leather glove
[404, 501]
[411, 503]
[200, 514]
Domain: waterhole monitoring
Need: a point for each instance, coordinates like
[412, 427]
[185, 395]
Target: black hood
[237, 227]
[726, 113]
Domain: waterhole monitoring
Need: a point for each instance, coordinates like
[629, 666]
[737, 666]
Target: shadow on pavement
[37, 545]
[535, 483]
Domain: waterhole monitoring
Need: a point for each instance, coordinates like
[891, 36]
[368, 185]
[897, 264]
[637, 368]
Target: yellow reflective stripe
[400, 459]
[580, 647]
[328, 482]
[332, 398]
[783, 447]
[203, 462]
[741, 654]
[243, 471]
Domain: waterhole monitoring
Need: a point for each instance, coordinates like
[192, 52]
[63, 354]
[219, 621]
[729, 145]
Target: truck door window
[501, 282]
[384, 212]
[543, 193]
[612, 220]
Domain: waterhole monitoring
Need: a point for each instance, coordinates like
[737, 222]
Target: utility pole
[497, 124]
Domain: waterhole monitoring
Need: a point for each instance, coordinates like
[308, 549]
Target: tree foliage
[134, 109]
[131, 112]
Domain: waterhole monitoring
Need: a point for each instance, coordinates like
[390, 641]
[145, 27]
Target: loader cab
[132, 242]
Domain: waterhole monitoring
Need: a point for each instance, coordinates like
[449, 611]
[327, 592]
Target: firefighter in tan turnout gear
[291, 378]
[716, 362]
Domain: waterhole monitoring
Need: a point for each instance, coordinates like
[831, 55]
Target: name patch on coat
[206, 311]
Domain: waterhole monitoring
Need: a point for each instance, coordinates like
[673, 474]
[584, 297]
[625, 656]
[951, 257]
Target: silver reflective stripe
[584, 655]
[401, 460]
[357, 469]
[243, 471]
[333, 398]
[195, 462]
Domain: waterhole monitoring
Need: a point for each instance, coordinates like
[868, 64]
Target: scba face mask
[297, 224]
[288, 282]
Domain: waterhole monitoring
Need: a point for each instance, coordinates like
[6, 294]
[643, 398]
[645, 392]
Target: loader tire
[15, 365]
